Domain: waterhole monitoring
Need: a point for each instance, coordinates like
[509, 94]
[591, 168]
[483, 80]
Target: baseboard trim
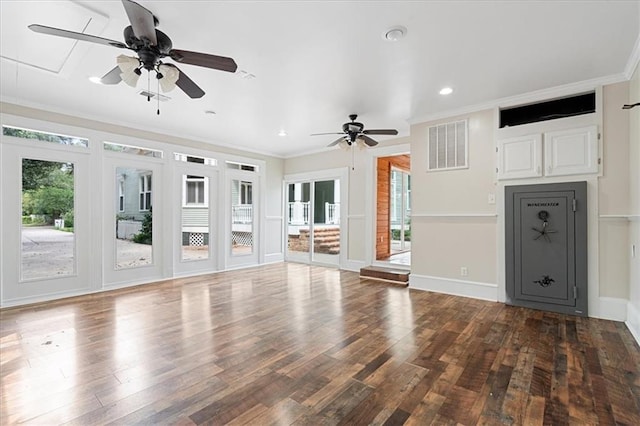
[473, 289]
[274, 258]
[633, 321]
[353, 265]
[52, 297]
[611, 308]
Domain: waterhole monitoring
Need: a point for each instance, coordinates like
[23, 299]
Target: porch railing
[242, 213]
[298, 213]
[332, 213]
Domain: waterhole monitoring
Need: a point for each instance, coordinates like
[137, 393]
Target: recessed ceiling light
[209, 112]
[95, 80]
[394, 33]
[446, 91]
[282, 133]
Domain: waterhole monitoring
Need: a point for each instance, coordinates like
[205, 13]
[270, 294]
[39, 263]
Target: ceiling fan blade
[381, 132]
[204, 60]
[76, 36]
[366, 139]
[336, 142]
[187, 85]
[321, 134]
[112, 77]
[142, 21]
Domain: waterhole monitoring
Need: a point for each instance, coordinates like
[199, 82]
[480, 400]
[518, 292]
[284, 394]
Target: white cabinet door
[520, 157]
[571, 152]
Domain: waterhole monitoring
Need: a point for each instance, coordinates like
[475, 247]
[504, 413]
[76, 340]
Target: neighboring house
[133, 200]
[195, 210]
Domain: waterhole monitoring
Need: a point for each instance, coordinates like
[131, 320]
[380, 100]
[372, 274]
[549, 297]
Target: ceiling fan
[354, 131]
[150, 45]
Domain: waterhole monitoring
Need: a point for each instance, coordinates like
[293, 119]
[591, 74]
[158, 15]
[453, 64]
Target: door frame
[371, 185]
[190, 267]
[14, 289]
[115, 278]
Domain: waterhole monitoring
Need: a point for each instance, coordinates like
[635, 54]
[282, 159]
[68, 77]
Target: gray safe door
[546, 247]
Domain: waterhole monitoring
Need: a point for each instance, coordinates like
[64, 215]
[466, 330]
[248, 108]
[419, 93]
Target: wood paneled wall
[402, 162]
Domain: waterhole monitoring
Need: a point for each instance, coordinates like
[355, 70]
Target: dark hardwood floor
[294, 344]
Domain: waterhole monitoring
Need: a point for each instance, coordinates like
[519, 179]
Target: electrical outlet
[464, 271]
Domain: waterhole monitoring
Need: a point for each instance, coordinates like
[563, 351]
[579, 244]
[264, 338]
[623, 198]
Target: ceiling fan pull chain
[353, 156]
[148, 86]
[158, 97]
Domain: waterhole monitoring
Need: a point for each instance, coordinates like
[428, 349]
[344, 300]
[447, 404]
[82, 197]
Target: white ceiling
[316, 62]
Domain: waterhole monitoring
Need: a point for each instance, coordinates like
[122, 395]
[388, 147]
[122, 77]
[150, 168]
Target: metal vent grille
[154, 95]
[448, 146]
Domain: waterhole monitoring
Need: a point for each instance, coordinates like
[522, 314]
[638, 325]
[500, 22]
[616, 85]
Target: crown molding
[531, 97]
[633, 61]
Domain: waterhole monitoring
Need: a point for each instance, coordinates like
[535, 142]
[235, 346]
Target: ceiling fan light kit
[151, 46]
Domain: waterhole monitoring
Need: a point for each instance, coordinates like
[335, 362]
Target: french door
[46, 236]
[242, 218]
[312, 213]
[195, 219]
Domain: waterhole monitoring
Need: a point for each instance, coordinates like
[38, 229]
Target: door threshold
[388, 264]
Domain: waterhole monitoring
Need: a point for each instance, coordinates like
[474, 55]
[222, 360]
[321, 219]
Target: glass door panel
[47, 233]
[313, 221]
[326, 222]
[134, 218]
[400, 212]
[195, 235]
[298, 220]
[242, 217]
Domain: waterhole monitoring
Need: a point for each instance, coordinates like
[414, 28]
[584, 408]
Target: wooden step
[391, 275]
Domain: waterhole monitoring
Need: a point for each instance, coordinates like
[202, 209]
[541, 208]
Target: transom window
[195, 159]
[44, 136]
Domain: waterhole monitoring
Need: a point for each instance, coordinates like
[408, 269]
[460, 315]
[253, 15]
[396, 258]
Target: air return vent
[154, 95]
[548, 110]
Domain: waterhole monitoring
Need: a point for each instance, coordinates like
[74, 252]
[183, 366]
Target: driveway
[46, 252]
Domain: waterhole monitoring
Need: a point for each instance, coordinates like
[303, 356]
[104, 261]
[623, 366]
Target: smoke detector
[394, 33]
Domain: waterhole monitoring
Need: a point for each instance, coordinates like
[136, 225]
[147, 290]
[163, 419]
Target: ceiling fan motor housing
[149, 54]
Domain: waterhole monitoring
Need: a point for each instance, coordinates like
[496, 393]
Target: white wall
[633, 310]
[453, 224]
[613, 195]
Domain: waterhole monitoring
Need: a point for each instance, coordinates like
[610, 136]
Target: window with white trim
[195, 191]
[121, 194]
[145, 192]
[447, 146]
[246, 192]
